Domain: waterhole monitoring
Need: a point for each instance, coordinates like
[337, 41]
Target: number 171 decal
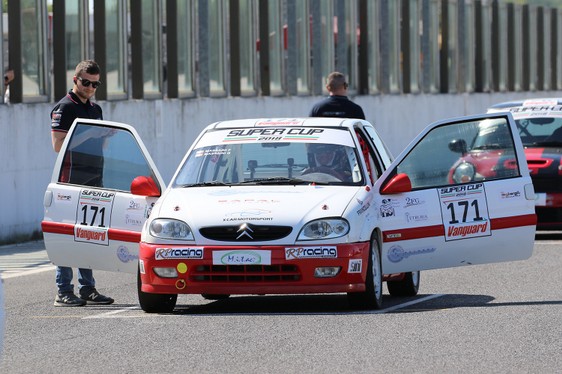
[465, 211]
[93, 217]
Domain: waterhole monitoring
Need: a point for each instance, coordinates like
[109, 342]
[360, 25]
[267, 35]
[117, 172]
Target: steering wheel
[324, 170]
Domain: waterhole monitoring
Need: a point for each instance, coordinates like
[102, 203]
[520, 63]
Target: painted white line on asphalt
[112, 313]
[8, 275]
[417, 301]
[400, 306]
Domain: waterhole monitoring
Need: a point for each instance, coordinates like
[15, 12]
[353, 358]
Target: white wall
[168, 127]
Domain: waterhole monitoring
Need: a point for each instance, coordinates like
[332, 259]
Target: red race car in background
[539, 122]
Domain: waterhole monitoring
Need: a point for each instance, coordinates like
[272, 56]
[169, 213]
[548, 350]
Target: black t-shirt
[337, 106]
[69, 108]
[83, 164]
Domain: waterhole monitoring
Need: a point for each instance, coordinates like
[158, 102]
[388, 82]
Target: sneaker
[68, 299]
[94, 297]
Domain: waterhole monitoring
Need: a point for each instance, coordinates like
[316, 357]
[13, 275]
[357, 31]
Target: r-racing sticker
[294, 253]
[189, 253]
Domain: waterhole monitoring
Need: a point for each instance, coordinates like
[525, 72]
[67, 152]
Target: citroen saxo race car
[284, 206]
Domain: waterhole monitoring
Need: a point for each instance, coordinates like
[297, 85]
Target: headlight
[167, 228]
[464, 173]
[324, 229]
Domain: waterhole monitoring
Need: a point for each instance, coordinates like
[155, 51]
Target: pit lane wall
[168, 127]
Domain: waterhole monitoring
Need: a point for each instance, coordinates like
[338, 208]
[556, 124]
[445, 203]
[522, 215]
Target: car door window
[464, 152]
[105, 157]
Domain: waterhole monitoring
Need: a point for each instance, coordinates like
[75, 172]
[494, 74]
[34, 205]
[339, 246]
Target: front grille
[252, 233]
[245, 273]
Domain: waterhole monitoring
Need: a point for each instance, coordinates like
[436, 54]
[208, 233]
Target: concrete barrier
[168, 127]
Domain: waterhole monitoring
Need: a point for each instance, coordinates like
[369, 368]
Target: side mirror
[145, 186]
[458, 146]
[397, 184]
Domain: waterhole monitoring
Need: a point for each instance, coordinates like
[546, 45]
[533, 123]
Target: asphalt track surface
[498, 318]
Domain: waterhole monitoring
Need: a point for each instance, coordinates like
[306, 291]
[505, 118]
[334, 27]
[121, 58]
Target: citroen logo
[244, 230]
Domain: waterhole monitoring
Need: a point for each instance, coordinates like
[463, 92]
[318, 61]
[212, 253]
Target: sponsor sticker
[136, 205]
[242, 257]
[294, 253]
[212, 152]
[396, 253]
[509, 195]
[413, 201]
[93, 216]
[364, 202]
[189, 253]
[465, 211]
[124, 255]
[387, 208]
[272, 133]
[134, 220]
[248, 215]
[355, 266]
[88, 234]
[63, 197]
[416, 217]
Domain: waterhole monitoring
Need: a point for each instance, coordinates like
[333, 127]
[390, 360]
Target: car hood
[277, 205]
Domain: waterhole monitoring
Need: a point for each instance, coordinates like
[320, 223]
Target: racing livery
[289, 206]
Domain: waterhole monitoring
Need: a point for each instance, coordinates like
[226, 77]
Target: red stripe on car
[68, 229]
[439, 230]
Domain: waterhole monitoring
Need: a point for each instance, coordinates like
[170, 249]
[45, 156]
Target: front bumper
[285, 269]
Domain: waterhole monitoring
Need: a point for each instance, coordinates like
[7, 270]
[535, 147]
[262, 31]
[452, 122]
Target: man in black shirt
[83, 164]
[337, 104]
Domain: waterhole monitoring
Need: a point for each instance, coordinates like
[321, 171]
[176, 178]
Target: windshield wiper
[277, 180]
[204, 184]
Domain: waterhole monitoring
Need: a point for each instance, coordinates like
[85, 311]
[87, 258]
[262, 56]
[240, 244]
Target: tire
[371, 298]
[210, 296]
[155, 303]
[408, 286]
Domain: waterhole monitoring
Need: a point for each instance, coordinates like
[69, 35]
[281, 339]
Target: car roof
[285, 122]
[534, 102]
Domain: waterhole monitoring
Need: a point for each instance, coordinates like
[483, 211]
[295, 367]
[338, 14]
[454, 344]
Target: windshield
[492, 134]
[540, 131]
[289, 156]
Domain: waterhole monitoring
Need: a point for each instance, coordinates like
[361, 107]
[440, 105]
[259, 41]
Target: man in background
[337, 104]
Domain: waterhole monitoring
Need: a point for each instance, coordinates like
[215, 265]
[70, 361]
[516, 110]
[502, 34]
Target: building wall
[168, 127]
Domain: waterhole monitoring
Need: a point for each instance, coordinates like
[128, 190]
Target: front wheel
[153, 302]
[371, 298]
[408, 286]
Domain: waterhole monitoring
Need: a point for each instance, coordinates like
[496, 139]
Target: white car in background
[257, 206]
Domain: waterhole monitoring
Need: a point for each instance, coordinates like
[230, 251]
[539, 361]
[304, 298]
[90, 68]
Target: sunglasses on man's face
[87, 82]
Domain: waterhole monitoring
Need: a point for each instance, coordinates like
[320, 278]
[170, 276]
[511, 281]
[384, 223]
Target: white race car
[283, 206]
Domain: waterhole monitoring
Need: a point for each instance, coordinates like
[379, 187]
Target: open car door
[460, 194]
[92, 220]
